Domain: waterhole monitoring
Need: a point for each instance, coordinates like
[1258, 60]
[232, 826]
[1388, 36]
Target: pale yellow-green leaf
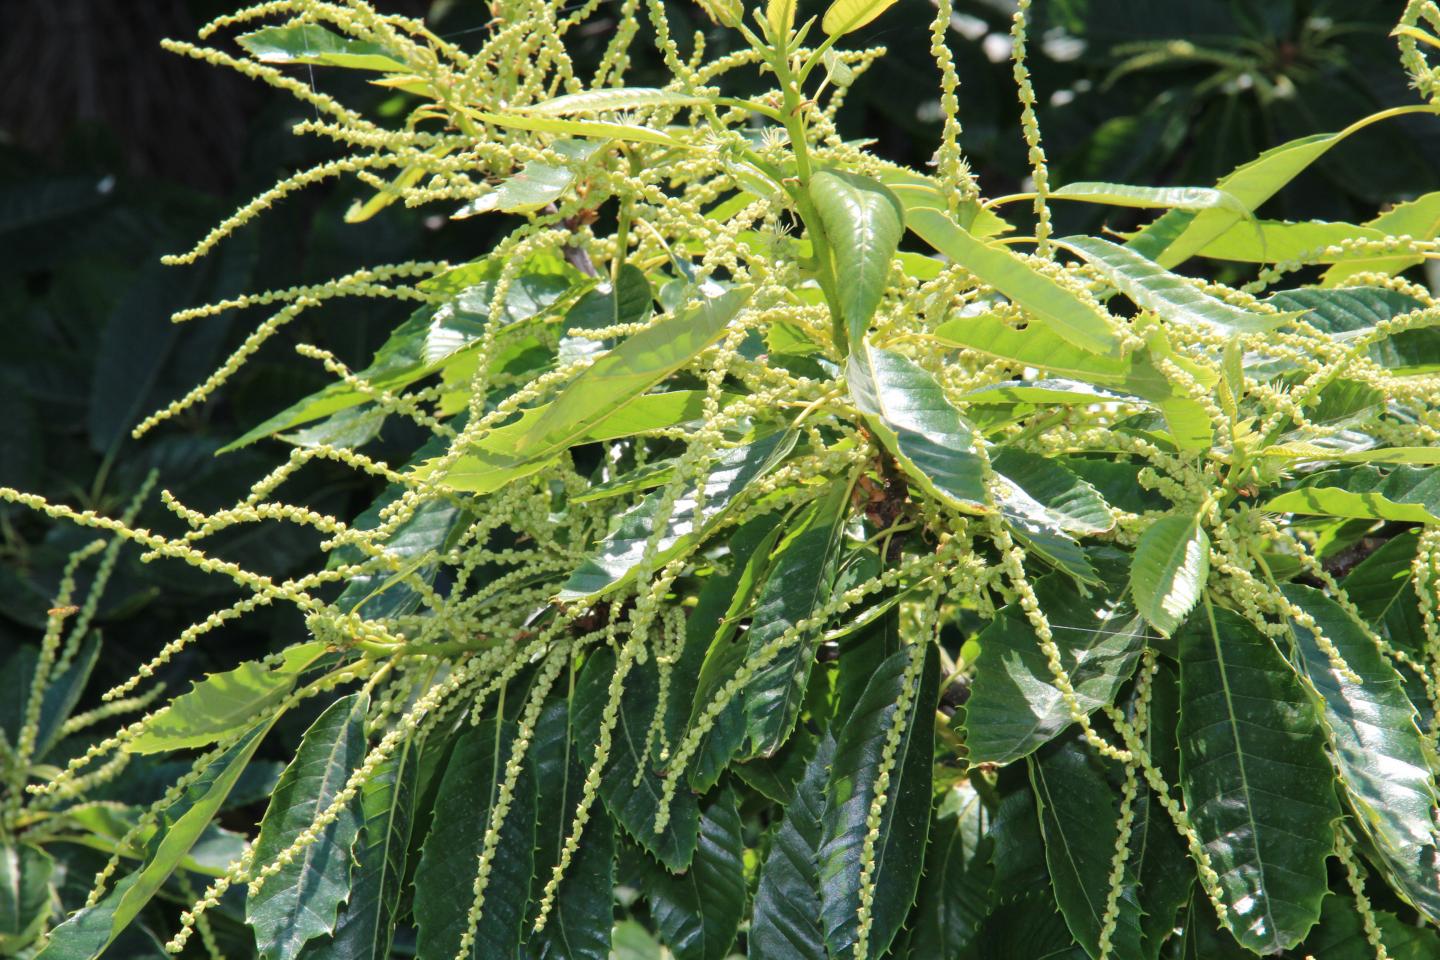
[781, 16]
[845, 16]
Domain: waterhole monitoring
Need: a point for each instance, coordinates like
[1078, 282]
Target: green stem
[794, 117]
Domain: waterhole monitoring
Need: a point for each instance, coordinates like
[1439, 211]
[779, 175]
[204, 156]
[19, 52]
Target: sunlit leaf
[1406, 494]
[909, 413]
[312, 43]
[1169, 570]
[1126, 195]
[301, 901]
[88, 933]
[224, 703]
[1381, 754]
[1062, 311]
[863, 223]
[1249, 738]
[843, 16]
[1173, 298]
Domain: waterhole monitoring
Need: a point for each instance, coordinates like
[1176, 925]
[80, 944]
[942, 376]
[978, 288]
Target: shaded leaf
[699, 912]
[366, 925]
[798, 584]
[954, 895]
[1356, 311]
[449, 861]
[624, 548]
[24, 895]
[904, 817]
[630, 785]
[1078, 819]
[785, 923]
[582, 914]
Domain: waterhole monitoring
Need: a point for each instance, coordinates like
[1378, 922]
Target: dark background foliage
[113, 152]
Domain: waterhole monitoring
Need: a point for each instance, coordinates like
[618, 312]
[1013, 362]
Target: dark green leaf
[24, 895]
[1028, 927]
[1044, 504]
[1382, 587]
[630, 785]
[911, 416]
[1014, 705]
[580, 920]
[1078, 819]
[798, 584]
[713, 652]
[1257, 784]
[785, 923]
[954, 895]
[699, 912]
[1355, 311]
[366, 925]
[1341, 935]
[63, 692]
[628, 300]
[1157, 851]
[1380, 752]
[301, 902]
[623, 550]
[904, 818]
[449, 863]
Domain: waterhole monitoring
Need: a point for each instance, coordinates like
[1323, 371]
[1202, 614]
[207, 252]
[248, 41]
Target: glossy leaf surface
[224, 703]
[1257, 784]
[904, 818]
[1169, 570]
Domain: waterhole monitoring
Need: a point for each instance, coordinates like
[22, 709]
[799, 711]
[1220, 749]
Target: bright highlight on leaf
[845, 16]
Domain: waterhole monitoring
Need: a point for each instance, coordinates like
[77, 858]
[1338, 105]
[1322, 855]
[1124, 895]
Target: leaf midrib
[1254, 841]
